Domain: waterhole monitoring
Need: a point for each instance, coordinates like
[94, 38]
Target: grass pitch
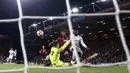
[113, 69]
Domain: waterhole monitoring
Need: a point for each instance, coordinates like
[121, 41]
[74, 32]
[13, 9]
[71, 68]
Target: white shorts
[10, 56]
[78, 49]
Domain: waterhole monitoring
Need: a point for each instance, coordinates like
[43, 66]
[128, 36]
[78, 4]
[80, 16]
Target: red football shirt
[61, 40]
[43, 52]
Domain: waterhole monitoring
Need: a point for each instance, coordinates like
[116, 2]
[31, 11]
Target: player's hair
[76, 32]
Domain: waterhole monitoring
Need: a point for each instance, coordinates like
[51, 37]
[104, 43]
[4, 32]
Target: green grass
[113, 69]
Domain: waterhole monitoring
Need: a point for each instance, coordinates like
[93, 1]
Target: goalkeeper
[55, 54]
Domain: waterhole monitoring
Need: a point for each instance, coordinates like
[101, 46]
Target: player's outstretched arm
[82, 43]
[65, 45]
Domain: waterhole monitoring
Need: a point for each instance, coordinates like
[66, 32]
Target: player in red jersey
[62, 39]
[43, 53]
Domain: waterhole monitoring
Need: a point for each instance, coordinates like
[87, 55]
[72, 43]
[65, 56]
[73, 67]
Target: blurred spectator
[43, 53]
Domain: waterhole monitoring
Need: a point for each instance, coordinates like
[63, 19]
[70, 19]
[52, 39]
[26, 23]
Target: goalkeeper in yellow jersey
[55, 54]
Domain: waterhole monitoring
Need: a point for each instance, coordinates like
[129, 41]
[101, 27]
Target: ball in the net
[40, 33]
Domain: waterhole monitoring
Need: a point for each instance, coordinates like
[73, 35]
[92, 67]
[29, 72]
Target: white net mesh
[68, 17]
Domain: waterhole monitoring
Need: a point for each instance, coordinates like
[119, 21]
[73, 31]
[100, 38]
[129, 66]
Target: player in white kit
[11, 54]
[78, 40]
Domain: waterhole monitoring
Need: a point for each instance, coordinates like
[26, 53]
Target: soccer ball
[40, 33]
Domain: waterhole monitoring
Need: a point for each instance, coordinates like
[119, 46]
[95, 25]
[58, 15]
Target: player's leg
[73, 58]
[80, 53]
[10, 59]
[42, 59]
[63, 64]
